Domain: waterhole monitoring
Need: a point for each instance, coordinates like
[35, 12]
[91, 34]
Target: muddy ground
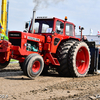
[15, 86]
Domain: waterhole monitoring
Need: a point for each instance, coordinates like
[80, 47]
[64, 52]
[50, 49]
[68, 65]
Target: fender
[59, 39]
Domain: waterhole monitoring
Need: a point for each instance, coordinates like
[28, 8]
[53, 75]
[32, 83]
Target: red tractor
[52, 43]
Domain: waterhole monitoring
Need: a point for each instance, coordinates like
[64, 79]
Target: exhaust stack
[34, 12]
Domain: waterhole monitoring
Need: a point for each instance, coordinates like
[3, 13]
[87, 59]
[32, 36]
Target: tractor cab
[51, 26]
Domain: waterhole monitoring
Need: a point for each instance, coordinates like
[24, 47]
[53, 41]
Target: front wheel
[3, 63]
[79, 59]
[33, 65]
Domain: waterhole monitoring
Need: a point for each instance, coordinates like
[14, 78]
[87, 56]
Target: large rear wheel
[62, 55]
[79, 59]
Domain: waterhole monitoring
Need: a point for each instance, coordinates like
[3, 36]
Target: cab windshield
[43, 26]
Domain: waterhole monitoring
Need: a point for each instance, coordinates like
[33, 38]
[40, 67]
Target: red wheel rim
[2, 58]
[2, 62]
[36, 66]
[82, 60]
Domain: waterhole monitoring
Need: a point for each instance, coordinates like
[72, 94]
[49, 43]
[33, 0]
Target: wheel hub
[82, 60]
[36, 66]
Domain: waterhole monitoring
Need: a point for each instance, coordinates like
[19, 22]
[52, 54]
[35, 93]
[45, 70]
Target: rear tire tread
[71, 62]
[62, 55]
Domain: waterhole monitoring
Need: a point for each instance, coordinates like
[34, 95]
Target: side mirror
[62, 25]
[26, 25]
[81, 28]
[25, 31]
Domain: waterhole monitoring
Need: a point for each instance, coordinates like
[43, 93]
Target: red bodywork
[16, 47]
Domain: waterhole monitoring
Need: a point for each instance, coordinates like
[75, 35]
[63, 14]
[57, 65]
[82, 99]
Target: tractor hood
[28, 36]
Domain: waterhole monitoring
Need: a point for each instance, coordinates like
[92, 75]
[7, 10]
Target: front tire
[33, 65]
[3, 63]
[79, 59]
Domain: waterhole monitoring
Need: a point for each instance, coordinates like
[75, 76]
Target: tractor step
[51, 59]
[56, 61]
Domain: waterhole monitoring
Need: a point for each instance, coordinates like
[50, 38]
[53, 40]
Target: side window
[58, 29]
[69, 30]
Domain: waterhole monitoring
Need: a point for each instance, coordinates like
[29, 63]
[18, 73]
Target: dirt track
[15, 86]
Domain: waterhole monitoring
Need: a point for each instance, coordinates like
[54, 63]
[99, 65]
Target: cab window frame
[61, 33]
[70, 33]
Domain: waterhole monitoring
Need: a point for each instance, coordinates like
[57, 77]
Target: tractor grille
[15, 38]
[15, 42]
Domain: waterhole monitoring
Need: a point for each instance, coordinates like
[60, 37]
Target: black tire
[33, 65]
[25, 63]
[62, 55]
[79, 59]
[5, 64]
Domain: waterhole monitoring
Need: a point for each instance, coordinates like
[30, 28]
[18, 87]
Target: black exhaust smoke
[39, 4]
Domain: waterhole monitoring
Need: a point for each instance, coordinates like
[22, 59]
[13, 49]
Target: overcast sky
[81, 12]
